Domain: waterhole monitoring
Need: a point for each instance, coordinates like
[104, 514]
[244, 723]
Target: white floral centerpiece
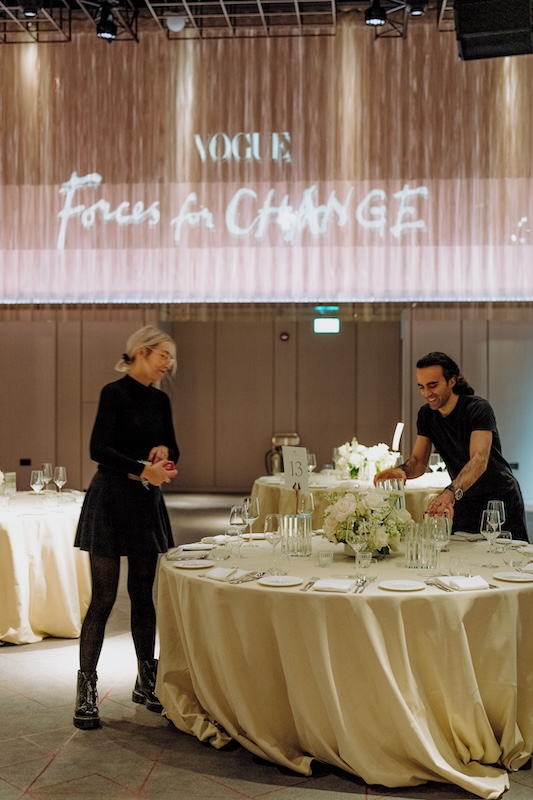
[352, 456]
[373, 513]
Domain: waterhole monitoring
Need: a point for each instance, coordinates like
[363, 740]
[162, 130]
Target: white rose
[381, 538]
[375, 499]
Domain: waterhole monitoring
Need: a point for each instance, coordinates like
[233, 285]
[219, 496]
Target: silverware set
[250, 577]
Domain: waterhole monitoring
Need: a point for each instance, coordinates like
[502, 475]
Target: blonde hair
[148, 337]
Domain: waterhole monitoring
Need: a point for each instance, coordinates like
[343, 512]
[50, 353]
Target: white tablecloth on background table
[397, 687]
[45, 583]
[275, 499]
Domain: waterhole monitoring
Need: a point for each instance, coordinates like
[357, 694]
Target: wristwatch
[457, 493]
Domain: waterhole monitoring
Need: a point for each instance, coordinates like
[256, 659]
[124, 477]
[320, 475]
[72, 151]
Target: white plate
[254, 536]
[401, 586]
[515, 577]
[280, 580]
[192, 564]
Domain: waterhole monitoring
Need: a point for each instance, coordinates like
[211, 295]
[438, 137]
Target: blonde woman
[124, 514]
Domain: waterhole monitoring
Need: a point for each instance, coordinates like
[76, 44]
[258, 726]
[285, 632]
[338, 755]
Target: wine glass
[311, 462]
[37, 480]
[490, 528]
[236, 518]
[357, 541]
[48, 474]
[60, 477]
[273, 532]
[434, 462]
[499, 506]
[251, 513]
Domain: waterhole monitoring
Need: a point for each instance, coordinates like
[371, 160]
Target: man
[462, 429]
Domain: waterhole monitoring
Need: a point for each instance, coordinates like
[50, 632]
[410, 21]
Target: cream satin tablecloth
[396, 687]
[45, 583]
[274, 498]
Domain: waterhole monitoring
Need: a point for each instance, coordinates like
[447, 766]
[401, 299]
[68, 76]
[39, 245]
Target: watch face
[458, 494]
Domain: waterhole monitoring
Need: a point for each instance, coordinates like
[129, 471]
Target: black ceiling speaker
[493, 28]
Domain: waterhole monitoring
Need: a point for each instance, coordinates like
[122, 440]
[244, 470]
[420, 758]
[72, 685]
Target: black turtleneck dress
[120, 516]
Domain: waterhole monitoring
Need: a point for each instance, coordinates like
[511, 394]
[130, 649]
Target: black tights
[105, 574]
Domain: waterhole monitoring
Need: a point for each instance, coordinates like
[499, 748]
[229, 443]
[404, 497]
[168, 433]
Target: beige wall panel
[510, 391]
[379, 373]
[194, 401]
[69, 427]
[88, 467]
[326, 393]
[27, 397]
[243, 385]
[474, 362]
[285, 377]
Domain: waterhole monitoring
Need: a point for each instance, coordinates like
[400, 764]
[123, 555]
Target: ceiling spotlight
[30, 8]
[176, 23]
[106, 27]
[418, 9]
[375, 15]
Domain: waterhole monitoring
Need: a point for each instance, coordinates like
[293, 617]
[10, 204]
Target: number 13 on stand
[295, 468]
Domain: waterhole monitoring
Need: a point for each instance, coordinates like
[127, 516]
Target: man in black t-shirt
[462, 429]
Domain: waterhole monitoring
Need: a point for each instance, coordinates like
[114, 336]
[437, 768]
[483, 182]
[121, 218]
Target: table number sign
[295, 468]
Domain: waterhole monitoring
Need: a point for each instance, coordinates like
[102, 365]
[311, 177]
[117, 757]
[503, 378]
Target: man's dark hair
[449, 369]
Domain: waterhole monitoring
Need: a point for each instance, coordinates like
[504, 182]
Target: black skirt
[119, 517]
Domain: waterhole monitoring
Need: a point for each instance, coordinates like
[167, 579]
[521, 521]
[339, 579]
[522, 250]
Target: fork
[309, 583]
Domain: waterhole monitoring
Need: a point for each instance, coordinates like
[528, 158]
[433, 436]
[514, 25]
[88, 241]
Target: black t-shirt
[450, 436]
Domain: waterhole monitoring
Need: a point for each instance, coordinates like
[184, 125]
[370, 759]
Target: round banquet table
[274, 498]
[398, 687]
[45, 583]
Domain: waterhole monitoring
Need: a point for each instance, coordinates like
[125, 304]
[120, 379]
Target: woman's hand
[157, 473]
[158, 453]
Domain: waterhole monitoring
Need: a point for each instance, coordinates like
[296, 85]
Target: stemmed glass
[434, 462]
[60, 477]
[47, 474]
[251, 513]
[273, 532]
[490, 528]
[37, 480]
[311, 462]
[357, 541]
[499, 506]
[238, 524]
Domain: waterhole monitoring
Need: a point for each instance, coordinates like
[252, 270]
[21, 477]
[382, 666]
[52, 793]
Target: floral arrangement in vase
[374, 514]
[353, 456]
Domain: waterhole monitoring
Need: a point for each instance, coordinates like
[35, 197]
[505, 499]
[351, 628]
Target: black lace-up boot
[86, 714]
[144, 691]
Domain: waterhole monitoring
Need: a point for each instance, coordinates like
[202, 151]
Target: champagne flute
[251, 513]
[490, 528]
[47, 474]
[37, 480]
[273, 533]
[60, 477]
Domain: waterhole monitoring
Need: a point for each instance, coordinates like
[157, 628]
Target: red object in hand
[170, 465]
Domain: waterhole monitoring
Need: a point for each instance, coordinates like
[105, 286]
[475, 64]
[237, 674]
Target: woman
[124, 513]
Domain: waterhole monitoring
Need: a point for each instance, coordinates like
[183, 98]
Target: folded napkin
[177, 554]
[526, 548]
[196, 546]
[463, 583]
[462, 536]
[527, 568]
[212, 540]
[334, 585]
[225, 573]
